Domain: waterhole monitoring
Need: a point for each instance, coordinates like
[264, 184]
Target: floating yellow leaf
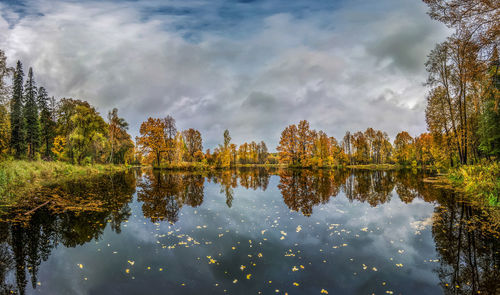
[248, 276]
[295, 284]
[80, 265]
[127, 270]
[323, 291]
[259, 255]
[294, 268]
[235, 281]
[299, 228]
[131, 262]
[242, 267]
[365, 229]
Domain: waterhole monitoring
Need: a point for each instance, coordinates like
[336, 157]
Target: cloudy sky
[251, 66]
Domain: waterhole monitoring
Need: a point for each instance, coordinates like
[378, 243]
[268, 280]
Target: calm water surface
[252, 232]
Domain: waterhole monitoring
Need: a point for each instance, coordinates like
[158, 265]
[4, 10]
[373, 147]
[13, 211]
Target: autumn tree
[262, 152]
[152, 140]
[194, 143]
[347, 147]
[460, 85]
[305, 142]
[119, 140]
[89, 133]
[423, 149]
[233, 150]
[170, 131]
[66, 109]
[288, 146]
[403, 147]
[480, 17]
[361, 148]
[223, 153]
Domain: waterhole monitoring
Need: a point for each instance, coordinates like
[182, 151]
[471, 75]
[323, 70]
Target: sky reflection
[295, 233]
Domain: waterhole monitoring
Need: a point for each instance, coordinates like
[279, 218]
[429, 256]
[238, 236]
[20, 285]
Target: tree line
[160, 143]
[35, 126]
[302, 146]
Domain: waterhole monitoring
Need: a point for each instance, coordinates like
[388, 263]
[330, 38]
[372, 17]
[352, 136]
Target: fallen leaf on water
[295, 284]
[127, 270]
[80, 265]
[248, 276]
[323, 291]
[131, 262]
[299, 228]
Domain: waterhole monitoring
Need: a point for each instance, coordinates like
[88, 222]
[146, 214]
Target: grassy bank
[18, 178]
[377, 166]
[480, 182]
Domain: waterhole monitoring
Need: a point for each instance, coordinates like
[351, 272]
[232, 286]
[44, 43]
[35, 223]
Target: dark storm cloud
[251, 67]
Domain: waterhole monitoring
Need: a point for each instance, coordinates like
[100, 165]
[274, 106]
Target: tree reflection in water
[25, 244]
[468, 243]
[466, 239]
[304, 189]
[163, 194]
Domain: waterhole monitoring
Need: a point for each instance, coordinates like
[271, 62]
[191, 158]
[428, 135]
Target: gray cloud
[342, 69]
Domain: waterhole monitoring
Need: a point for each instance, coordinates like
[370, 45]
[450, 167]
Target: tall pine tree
[18, 131]
[47, 122]
[31, 116]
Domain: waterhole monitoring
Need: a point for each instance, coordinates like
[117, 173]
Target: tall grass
[479, 181]
[19, 177]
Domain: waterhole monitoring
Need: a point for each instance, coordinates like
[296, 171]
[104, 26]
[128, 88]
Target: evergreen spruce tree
[31, 116]
[18, 131]
[47, 122]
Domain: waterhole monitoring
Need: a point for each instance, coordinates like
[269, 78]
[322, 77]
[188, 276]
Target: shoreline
[21, 177]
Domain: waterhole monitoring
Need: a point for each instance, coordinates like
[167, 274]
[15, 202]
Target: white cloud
[360, 69]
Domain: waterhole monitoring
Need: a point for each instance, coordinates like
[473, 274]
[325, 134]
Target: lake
[251, 231]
